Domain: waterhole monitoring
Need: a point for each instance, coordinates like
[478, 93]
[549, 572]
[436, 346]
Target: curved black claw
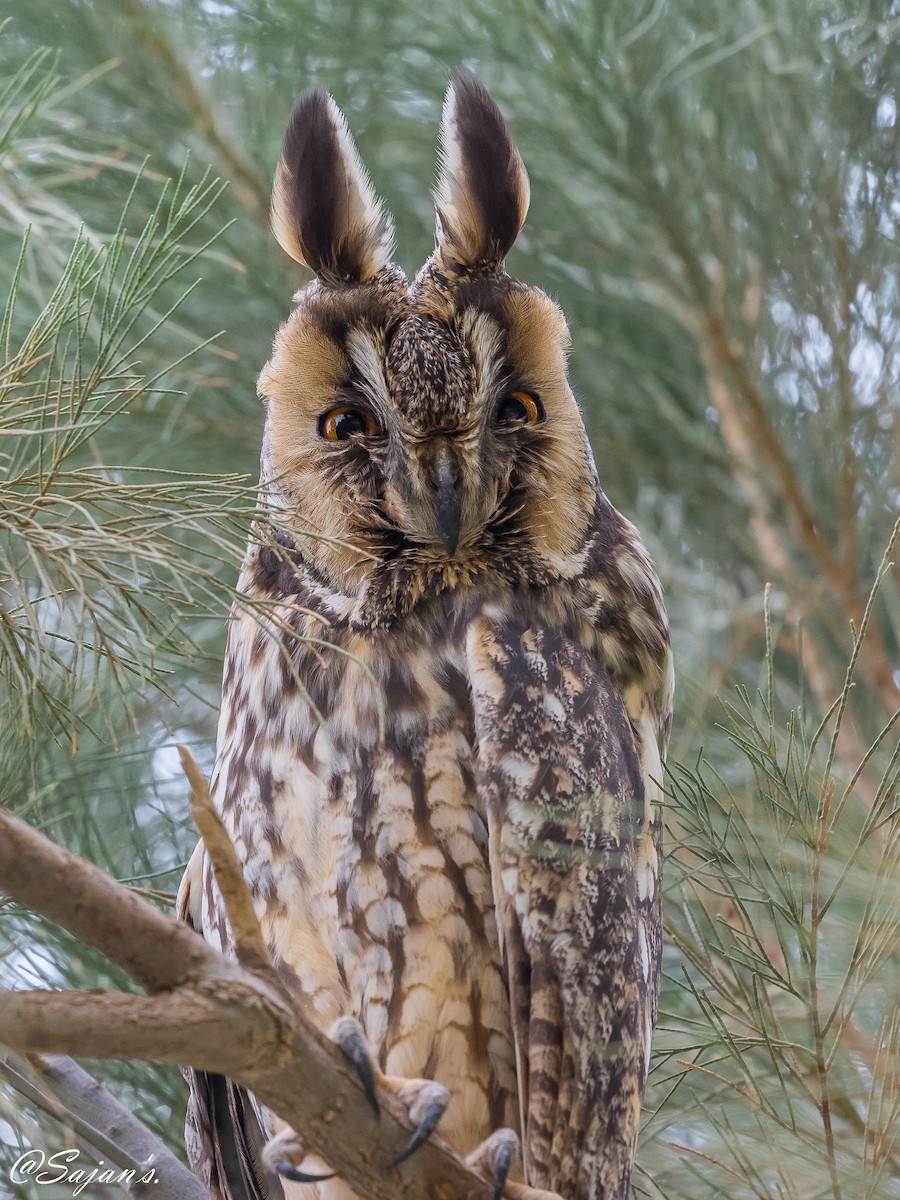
[286, 1171]
[351, 1042]
[502, 1164]
[426, 1128]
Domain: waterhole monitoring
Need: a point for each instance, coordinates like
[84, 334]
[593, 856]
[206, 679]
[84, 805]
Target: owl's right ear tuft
[325, 213]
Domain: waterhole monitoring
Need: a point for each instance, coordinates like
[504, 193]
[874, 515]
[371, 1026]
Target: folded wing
[572, 841]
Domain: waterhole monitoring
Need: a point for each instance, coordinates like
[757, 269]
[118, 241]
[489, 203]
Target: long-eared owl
[442, 776]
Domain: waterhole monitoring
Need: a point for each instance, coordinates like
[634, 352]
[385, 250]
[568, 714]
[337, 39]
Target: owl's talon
[426, 1128]
[349, 1036]
[494, 1158]
[283, 1151]
[427, 1109]
[505, 1156]
[287, 1171]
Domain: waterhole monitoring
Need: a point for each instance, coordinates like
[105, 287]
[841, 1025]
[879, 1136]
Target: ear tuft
[325, 213]
[482, 193]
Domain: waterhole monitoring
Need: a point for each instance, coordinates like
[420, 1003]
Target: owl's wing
[572, 844]
[223, 1133]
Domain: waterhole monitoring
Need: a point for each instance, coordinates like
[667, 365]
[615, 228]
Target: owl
[445, 711]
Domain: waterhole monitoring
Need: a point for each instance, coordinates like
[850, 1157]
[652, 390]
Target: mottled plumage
[443, 778]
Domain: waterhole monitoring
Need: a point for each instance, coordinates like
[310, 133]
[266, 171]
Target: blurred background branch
[97, 1123]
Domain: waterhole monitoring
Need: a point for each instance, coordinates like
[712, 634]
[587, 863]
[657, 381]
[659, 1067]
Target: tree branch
[243, 175]
[248, 939]
[98, 910]
[176, 1027]
[762, 467]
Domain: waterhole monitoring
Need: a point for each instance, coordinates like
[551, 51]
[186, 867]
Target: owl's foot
[348, 1033]
[423, 1099]
[284, 1152]
[425, 1102]
[494, 1158]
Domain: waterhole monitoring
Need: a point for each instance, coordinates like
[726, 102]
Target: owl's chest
[411, 901]
[349, 785]
[348, 774]
[410, 841]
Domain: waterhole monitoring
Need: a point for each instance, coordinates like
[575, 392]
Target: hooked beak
[448, 506]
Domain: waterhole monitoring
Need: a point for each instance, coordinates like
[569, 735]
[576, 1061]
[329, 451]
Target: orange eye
[344, 422]
[519, 408]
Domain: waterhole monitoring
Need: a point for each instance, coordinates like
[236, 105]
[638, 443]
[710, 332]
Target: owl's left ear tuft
[482, 193]
[325, 213]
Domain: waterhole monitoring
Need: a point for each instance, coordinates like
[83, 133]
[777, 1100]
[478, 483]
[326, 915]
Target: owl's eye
[343, 422]
[519, 408]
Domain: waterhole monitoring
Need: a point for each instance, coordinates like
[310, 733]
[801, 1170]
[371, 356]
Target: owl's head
[429, 425]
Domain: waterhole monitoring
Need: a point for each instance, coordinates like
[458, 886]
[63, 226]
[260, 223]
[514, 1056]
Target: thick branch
[178, 1027]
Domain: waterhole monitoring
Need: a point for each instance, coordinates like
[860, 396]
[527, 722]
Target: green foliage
[785, 918]
[103, 563]
[715, 204]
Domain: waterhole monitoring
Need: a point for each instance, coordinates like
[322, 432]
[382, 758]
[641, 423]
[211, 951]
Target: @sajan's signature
[65, 1167]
